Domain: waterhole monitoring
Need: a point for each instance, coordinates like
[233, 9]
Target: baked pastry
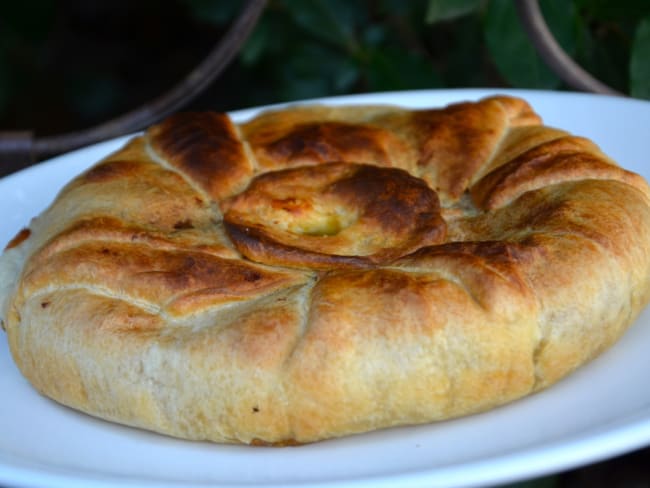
[322, 271]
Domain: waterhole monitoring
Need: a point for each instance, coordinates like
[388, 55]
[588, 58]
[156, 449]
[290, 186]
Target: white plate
[600, 411]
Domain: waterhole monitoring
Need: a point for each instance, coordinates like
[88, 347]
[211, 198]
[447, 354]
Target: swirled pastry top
[319, 271]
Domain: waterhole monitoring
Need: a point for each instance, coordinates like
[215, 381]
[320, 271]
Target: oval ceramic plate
[600, 411]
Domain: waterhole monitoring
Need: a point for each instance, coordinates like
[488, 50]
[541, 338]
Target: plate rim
[626, 437]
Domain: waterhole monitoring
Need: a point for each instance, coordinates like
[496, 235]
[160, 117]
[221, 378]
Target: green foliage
[615, 10]
[391, 45]
[51, 66]
[329, 21]
[511, 49]
[440, 10]
[512, 52]
[216, 12]
[640, 61]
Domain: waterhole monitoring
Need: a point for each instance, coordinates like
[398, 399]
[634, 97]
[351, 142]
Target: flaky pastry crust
[322, 271]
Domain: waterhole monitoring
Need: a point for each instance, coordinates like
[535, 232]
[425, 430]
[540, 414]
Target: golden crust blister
[322, 271]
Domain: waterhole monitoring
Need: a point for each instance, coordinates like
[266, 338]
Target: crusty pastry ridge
[320, 271]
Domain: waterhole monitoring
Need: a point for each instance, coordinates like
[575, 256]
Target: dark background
[67, 65]
[71, 64]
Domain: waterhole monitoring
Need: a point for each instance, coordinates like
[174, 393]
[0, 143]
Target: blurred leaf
[280, 36]
[512, 51]
[312, 70]
[561, 17]
[346, 77]
[328, 20]
[398, 8]
[604, 55]
[256, 44]
[460, 53]
[440, 10]
[214, 12]
[392, 69]
[640, 61]
[374, 34]
[612, 10]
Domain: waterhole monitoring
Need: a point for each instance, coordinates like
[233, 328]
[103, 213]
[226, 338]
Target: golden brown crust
[419, 346]
[312, 135]
[334, 214]
[452, 144]
[204, 146]
[559, 160]
[18, 239]
[322, 271]
[175, 281]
